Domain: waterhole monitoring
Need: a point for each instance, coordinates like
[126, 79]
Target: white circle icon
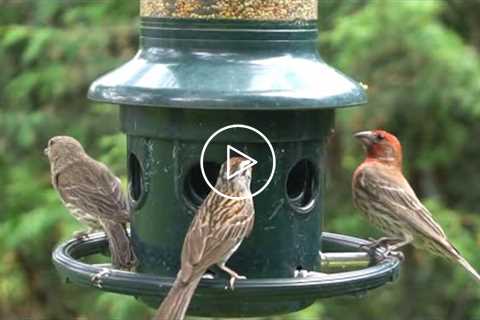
[229, 148]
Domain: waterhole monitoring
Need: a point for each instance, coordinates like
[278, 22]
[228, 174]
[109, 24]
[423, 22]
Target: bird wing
[92, 188]
[393, 191]
[213, 236]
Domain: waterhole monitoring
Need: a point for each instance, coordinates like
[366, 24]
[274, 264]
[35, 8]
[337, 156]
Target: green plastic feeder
[194, 74]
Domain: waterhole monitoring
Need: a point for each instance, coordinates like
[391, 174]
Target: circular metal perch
[250, 296]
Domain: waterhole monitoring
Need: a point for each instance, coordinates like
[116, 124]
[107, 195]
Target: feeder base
[251, 297]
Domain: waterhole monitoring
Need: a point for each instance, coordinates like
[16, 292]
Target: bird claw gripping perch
[384, 245]
[97, 279]
[377, 243]
[81, 235]
[231, 283]
[385, 252]
[396, 254]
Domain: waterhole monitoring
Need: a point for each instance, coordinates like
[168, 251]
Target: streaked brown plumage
[92, 194]
[383, 194]
[216, 232]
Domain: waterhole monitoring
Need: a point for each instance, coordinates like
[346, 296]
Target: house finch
[92, 194]
[216, 232]
[383, 194]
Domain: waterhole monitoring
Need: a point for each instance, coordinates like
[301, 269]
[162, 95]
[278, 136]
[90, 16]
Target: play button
[223, 139]
[236, 152]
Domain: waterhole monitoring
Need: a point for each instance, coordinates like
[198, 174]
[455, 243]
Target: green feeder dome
[204, 65]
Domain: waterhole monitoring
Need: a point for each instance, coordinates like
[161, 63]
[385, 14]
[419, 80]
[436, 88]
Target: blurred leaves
[49, 54]
[423, 80]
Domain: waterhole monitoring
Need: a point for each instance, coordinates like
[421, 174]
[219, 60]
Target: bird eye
[380, 136]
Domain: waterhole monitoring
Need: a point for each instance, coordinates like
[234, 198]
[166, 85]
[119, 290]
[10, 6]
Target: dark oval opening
[135, 178]
[196, 188]
[302, 185]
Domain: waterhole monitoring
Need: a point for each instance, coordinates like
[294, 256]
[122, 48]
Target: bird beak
[45, 151]
[366, 137]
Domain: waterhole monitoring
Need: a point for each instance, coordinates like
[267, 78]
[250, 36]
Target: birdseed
[266, 10]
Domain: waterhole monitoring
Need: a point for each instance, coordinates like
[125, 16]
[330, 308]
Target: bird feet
[396, 254]
[97, 279]
[233, 276]
[388, 246]
[84, 234]
[80, 235]
[377, 243]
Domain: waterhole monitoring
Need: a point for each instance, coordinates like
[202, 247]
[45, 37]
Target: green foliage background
[420, 60]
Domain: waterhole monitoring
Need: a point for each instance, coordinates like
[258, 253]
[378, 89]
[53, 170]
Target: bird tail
[175, 305]
[468, 267]
[455, 255]
[121, 249]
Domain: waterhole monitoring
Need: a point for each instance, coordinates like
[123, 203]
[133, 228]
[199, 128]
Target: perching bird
[383, 194]
[92, 194]
[216, 232]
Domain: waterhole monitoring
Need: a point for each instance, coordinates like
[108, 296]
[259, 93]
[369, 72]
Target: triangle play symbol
[251, 163]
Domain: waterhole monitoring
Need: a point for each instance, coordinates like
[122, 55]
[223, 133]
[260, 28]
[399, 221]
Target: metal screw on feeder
[204, 65]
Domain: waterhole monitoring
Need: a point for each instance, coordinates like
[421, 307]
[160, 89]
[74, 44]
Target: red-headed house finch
[216, 232]
[92, 194]
[383, 194]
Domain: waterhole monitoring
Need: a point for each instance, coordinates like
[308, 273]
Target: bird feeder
[204, 65]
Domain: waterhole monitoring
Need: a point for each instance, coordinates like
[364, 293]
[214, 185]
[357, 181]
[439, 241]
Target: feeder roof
[228, 65]
[220, 82]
